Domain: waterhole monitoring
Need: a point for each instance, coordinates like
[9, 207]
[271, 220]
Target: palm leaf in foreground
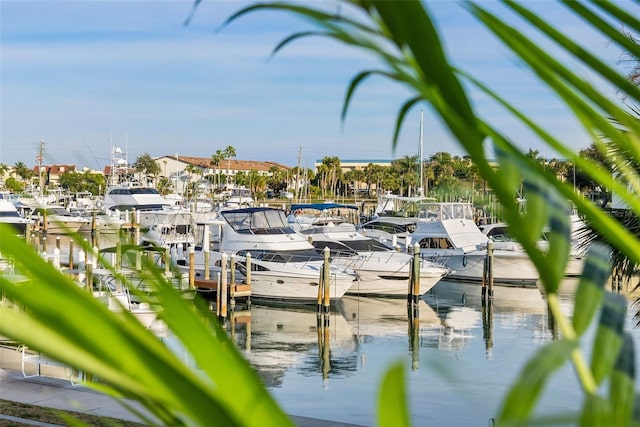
[61, 319]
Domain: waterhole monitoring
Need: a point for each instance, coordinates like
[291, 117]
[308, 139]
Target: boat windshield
[336, 249]
[437, 211]
[133, 190]
[304, 255]
[258, 221]
[366, 245]
[240, 192]
[389, 227]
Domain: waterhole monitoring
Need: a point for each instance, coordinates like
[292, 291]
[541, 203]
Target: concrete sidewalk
[61, 394]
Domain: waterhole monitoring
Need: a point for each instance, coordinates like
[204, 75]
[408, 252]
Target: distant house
[51, 174]
[175, 166]
[347, 165]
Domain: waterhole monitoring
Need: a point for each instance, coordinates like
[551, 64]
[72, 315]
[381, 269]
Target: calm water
[459, 362]
[458, 368]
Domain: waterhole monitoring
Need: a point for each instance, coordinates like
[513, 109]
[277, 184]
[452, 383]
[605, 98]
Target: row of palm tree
[443, 173]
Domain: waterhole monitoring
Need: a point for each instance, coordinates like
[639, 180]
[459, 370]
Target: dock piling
[192, 267]
[222, 295]
[327, 280]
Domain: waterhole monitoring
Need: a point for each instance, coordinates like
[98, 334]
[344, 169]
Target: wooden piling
[490, 268]
[207, 263]
[94, 222]
[71, 254]
[88, 275]
[222, 294]
[327, 280]
[96, 237]
[44, 221]
[192, 268]
[118, 263]
[320, 290]
[415, 289]
[232, 280]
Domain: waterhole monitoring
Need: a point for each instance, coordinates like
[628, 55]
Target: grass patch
[52, 416]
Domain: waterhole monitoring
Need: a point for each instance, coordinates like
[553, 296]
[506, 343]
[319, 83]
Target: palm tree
[22, 171]
[216, 159]
[333, 172]
[228, 153]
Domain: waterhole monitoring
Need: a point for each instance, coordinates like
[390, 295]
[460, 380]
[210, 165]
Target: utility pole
[297, 197]
[39, 159]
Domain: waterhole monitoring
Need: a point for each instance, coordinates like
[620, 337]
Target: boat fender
[464, 261]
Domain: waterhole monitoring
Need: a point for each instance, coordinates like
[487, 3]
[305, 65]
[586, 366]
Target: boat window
[239, 221]
[259, 220]
[366, 245]
[303, 255]
[143, 190]
[436, 243]
[335, 248]
[276, 219]
[388, 227]
[10, 214]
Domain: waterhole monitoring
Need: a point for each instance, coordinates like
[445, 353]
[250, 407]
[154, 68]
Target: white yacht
[448, 234]
[382, 271]
[395, 218]
[239, 197]
[9, 214]
[57, 219]
[285, 267]
[125, 194]
[170, 228]
[131, 195]
[499, 233]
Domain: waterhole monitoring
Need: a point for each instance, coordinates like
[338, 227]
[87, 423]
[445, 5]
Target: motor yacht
[285, 267]
[9, 215]
[382, 271]
[448, 234]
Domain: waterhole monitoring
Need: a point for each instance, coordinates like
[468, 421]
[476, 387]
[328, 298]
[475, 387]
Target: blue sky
[82, 75]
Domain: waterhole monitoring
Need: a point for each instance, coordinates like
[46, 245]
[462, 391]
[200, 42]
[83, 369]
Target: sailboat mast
[420, 187]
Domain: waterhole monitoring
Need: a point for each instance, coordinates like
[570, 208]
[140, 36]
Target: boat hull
[292, 282]
[509, 267]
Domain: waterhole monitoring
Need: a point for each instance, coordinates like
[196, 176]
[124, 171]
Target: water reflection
[461, 354]
[297, 338]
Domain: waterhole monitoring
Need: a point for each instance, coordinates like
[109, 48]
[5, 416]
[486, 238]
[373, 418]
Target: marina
[460, 353]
